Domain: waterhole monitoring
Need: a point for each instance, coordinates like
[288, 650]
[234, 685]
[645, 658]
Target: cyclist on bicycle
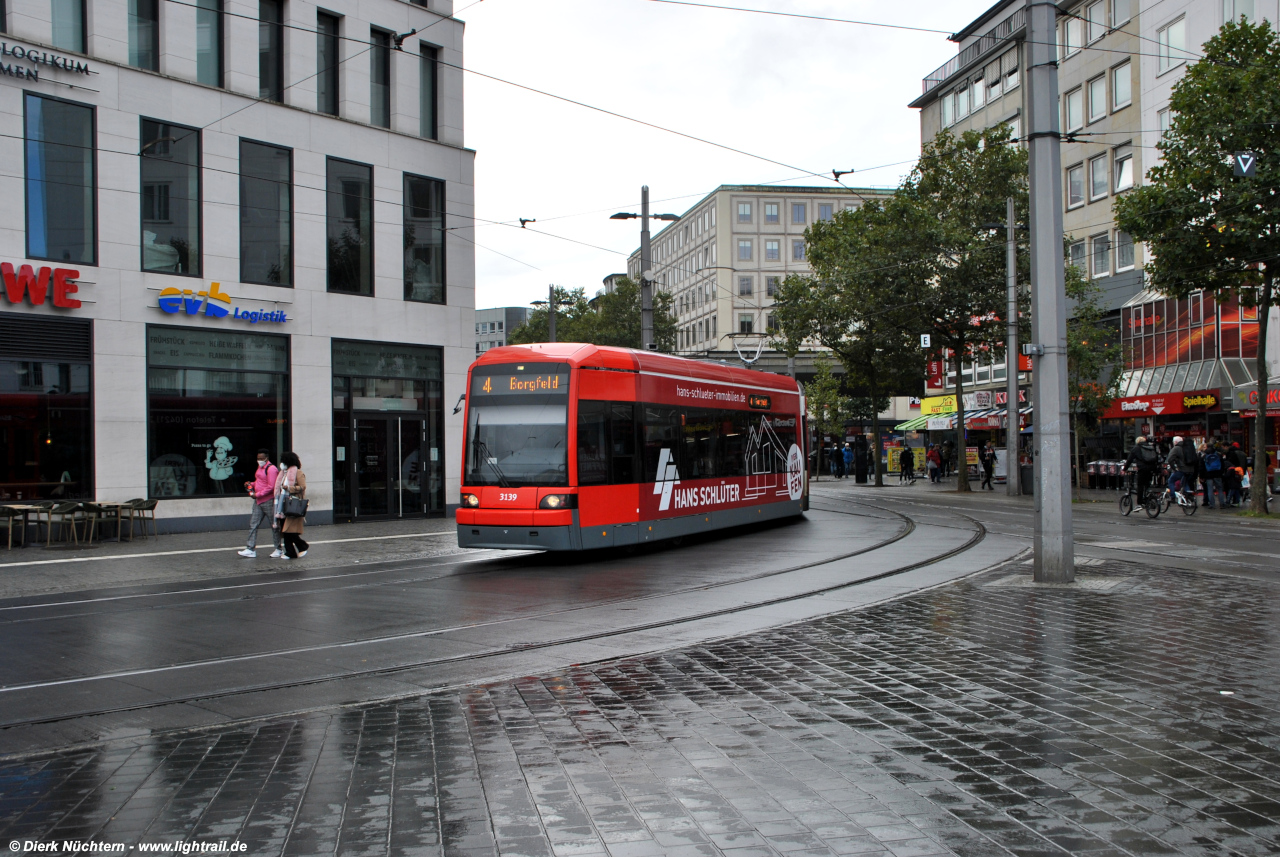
[1183, 464]
[1147, 460]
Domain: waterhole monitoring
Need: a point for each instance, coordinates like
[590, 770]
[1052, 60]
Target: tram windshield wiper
[482, 450]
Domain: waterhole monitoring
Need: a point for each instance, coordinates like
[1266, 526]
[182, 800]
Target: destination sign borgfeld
[519, 384]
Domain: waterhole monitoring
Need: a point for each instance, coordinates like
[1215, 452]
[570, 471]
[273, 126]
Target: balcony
[983, 44]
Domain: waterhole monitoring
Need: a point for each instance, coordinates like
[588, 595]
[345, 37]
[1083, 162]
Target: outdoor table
[26, 509]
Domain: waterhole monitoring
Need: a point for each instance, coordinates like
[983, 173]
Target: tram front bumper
[518, 537]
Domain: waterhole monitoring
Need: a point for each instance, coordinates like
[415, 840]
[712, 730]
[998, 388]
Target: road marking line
[4, 565]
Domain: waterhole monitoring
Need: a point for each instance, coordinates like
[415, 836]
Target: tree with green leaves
[860, 303]
[1094, 366]
[609, 319]
[958, 189]
[827, 406]
[1206, 228]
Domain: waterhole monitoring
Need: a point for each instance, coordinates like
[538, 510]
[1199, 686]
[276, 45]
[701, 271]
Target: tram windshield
[518, 425]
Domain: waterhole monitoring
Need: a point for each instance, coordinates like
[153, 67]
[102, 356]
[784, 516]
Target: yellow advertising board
[932, 405]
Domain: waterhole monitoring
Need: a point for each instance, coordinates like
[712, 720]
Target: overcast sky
[812, 95]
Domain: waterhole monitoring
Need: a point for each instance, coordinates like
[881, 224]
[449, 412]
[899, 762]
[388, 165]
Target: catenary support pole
[551, 313]
[646, 271]
[1054, 559]
[1011, 354]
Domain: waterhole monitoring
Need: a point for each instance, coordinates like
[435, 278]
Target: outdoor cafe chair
[10, 517]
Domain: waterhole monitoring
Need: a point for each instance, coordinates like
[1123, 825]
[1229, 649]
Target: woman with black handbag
[293, 508]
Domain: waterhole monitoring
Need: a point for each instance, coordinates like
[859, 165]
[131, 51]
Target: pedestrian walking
[1184, 464]
[934, 459]
[293, 483]
[907, 465]
[988, 461]
[1214, 465]
[262, 492]
[944, 465]
[848, 459]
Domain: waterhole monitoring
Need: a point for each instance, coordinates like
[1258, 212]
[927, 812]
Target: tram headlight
[470, 501]
[559, 501]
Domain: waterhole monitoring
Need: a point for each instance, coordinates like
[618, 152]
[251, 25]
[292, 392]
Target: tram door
[388, 466]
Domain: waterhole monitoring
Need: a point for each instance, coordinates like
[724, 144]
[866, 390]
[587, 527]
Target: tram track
[909, 525]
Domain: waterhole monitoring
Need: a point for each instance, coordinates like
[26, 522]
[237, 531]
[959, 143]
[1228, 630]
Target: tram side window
[735, 430]
[701, 433]
[661, 431]
[622, 443]
[593, 443]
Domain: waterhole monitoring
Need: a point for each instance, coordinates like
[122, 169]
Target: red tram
[573, 447]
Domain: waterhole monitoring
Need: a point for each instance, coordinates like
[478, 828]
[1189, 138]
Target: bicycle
[1184, 499]
[1149, 501]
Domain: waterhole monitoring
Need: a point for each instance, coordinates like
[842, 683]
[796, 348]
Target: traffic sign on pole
[1246, 164]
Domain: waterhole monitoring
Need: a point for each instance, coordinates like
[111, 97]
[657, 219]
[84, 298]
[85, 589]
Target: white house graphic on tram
[767, 462]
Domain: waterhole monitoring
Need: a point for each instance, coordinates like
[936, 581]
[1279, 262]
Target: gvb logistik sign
[214, 303]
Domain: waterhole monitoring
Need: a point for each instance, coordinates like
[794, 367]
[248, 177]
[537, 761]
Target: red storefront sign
[34, 285]
[1162, 404]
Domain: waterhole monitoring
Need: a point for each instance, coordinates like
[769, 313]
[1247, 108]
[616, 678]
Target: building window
[797, 250]
[271, 49]
[746, 323]
[1009, 65]
[1121, 86]
[424, 240]
[214, 398]
[1164, 118]
[328, 57]
[266, 214]
[797, 212]
[169, 163]
[993, 77]
[1119, 12]
[209, 42]
[744, 212]
[770, 212]
[962, 102]
[824, 211]
[948, 108]
[1075, 185]
[771, 285]
[349, 224]
[428, 84]
[144, 34]
[1076, 257]
[1096, 14]
[1097, 99]
[1072, 36]
[1234, 10]
[1124, 169]
[1015, 127]
[1101, 255]
[744, 286]
[61, 181]
[1098, 177]
[380, 78]
[772, 253]
[1124, 251]
[1172, 41]
[744, 250]
[68, 25]
[1074, 104]
[771, 324]
[979, 93]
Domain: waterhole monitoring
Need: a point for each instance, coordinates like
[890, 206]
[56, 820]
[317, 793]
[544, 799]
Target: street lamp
[550, 303]
[1011, 469]
[646, 275]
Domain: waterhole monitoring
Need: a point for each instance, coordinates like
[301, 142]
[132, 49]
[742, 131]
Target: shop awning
[917, 424]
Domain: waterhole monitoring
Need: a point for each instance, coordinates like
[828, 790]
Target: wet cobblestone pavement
[978, 718]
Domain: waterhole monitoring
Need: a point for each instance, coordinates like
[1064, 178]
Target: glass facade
[428, 84]
[144, 34]
[209, 42]
[349, 222]
[266, 214]
[61, 181]
[68, 25]
[170, 169]
[388, 438]
[214, 398]
[423, 239]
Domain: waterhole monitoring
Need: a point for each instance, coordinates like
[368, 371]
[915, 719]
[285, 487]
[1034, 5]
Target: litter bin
[1026, 478]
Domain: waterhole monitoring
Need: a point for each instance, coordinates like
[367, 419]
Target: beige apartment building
[725, 257]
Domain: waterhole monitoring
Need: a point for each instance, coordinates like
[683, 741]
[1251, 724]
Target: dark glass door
[372, 466]
[409, 496]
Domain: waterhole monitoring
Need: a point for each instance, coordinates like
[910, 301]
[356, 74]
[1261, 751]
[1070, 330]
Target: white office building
[234, 236]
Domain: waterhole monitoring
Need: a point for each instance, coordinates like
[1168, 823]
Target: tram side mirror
[458, 406]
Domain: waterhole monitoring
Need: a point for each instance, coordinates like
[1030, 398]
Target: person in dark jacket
[988, 461]
[1212, 467]
[907, 465]
[1184, 464]
[1236, 464]
[1144, 457]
